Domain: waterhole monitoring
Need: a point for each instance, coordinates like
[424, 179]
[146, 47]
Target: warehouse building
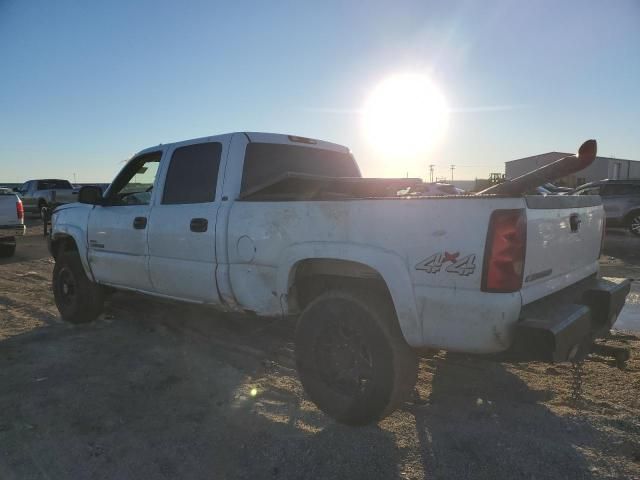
[601, 168]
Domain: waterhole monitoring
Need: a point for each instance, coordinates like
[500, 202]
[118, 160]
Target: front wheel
[634, 224]
[79, 300]
[351, 357]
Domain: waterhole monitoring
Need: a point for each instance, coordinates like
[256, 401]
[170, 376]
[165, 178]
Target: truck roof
[259, 137]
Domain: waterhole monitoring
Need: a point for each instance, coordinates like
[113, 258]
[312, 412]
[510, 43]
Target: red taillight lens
[504, 251]
[20, 210]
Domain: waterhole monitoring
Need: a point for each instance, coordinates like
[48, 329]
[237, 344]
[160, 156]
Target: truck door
[182, 227]
[117, 233]
[614, 199]
[26, 194]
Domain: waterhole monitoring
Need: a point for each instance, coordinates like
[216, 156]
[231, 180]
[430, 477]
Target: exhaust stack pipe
[560, 168]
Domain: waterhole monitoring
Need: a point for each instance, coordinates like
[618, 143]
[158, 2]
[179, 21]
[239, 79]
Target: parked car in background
[41, 196]
[11, 221]
[6, 191]
[439, 189]
[556, 190]
[621, 200]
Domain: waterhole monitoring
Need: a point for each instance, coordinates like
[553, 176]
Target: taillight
[504, 251]
[20, 210]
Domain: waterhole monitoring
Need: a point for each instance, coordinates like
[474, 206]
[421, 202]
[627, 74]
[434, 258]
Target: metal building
[601, 168]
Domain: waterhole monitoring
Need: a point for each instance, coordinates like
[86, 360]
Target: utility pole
[431, 173]
[453, 167]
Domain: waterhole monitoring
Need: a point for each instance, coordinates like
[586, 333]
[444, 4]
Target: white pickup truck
[11, 222]
[282, 225]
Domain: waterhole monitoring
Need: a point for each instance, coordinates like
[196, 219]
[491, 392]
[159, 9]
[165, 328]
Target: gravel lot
[161, 390]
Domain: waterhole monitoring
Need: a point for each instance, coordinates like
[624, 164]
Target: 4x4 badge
[464, 266]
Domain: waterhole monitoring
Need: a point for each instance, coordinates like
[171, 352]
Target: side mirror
[91, 195]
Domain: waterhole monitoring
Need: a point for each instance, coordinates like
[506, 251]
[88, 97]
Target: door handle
[199, 225]
[140, 223]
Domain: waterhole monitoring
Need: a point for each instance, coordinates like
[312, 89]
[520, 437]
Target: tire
[78, 299]
[351, 357]
[43, 211]
[7, 247]
[634, 223]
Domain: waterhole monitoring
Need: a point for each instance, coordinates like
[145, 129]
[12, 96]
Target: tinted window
[54, 184]
[264, 161]
[193, 174]
[619, 189]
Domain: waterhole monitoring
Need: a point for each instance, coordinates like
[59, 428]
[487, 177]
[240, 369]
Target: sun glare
[405, 115]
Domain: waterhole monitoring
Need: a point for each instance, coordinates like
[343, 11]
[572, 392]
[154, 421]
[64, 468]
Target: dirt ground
[161, 390]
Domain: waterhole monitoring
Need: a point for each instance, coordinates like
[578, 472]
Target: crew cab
[42, 196]
[281, 225]
[11, 222]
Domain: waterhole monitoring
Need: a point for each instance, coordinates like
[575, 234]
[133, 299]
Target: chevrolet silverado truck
[11, 222]
[281, 225]
[42, 196]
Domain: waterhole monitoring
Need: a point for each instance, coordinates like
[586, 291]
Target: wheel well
[63, 243]
[630, 215]
[312, 277]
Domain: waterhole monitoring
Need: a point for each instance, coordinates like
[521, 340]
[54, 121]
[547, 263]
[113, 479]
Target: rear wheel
[7, 247]
[634, 223]
[351, 357]
[79, 300]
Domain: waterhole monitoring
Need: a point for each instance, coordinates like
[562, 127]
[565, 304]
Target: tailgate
[8, 213]
[564, 235]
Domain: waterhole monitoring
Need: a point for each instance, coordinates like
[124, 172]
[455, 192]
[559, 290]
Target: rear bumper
[12, 230]
[562, 326]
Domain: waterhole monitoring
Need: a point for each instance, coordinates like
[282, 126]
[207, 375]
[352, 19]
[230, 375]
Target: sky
[84, 85]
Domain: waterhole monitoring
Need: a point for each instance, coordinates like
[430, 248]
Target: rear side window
[265, 161]
[193, 174]
[54, 184]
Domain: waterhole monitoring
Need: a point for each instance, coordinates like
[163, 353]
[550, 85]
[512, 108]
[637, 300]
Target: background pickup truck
[11, 222]
[282, 225]
[40, 196]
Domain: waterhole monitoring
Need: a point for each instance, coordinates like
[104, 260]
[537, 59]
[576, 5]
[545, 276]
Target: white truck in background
[284, 225]
[11, 222]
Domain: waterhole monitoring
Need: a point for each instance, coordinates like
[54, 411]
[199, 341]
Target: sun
[405, 115]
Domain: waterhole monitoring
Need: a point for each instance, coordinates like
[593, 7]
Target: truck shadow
[482, 421]
[155, 390]
[132, 396]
